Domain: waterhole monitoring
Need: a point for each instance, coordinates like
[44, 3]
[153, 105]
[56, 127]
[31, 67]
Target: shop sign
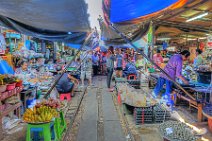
[13, 35]
[209, 38]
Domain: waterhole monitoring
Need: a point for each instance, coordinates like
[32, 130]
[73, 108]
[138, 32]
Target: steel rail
[74, 116]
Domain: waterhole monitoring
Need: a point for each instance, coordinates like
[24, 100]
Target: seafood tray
[177, 131]
[161, 114]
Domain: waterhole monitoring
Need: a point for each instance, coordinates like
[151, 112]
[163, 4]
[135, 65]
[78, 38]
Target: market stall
[144, 40]
[24, 81]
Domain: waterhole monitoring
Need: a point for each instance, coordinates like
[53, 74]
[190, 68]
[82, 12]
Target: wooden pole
[199, 112]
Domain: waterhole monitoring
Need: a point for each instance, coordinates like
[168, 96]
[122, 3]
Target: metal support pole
[150, 60]
[54, 51]
[43, 46]
[153, 39]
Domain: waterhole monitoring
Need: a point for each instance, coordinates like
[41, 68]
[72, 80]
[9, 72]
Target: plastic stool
[65, 95]
[60, 125]
[38, 134]
[46, 130]
[130, 76]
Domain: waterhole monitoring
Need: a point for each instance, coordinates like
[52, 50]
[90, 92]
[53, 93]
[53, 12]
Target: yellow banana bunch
[40, 114]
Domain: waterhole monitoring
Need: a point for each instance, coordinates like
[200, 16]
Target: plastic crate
[159, 113]
[143, 115]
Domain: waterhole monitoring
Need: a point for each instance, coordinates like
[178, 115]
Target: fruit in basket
[50, 103]
[40, 114]
[10, 80]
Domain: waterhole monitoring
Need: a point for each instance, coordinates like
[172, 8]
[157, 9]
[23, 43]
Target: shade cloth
[55, 20]
[132, 31]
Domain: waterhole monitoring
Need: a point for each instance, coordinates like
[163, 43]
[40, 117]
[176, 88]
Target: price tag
[169, 131]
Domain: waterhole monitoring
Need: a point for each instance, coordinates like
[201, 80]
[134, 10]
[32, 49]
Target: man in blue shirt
[130, 68]
[67, 83]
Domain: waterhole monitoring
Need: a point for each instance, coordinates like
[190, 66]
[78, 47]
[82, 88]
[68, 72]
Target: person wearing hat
[67, 83]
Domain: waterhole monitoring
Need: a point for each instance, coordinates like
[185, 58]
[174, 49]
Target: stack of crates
[161, 114]
[135, 83]
[143, 115]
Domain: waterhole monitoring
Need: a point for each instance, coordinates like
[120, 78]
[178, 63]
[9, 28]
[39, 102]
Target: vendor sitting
[23, 69]
[140, 62]
[199, 59]
[24, 72]
[67, 83]
[130, 68]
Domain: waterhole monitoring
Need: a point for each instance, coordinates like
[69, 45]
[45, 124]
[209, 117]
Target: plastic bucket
[11, 86]
[19, 84]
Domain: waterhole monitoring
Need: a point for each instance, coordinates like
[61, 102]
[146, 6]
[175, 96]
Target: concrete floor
[100, 110]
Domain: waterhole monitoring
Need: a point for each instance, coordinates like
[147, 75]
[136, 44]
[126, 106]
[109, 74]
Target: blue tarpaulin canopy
[128, 16]
[122, 11]
[133, 9]
[75, 46]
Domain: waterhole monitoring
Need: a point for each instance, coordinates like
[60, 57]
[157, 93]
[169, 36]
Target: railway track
[72, 113]
[125, 126]
[75, 112]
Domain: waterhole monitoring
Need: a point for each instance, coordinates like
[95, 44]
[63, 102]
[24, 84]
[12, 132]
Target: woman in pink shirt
[157, 58]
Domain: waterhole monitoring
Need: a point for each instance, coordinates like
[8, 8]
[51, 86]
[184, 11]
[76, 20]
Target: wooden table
[209, 120]
[204, 91]
[192, 103]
